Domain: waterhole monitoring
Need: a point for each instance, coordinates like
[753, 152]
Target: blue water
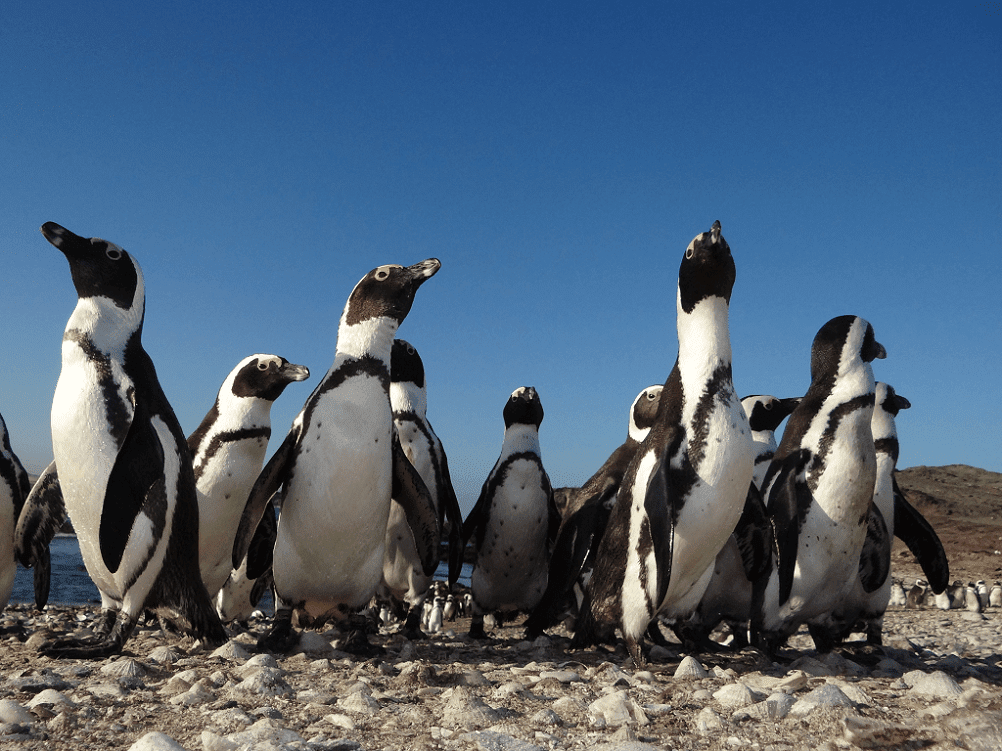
[70, 584]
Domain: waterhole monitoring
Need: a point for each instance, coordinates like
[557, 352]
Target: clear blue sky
[556, 156]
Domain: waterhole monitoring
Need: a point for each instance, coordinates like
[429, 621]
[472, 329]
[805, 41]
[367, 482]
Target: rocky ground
[937, 683]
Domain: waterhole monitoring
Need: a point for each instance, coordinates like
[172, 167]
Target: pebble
[932, 684]
[828, 695]
[616, 709]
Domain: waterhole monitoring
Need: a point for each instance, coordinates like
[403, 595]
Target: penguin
[584, 515]
[124, 468]
[685, 488]
[403, 577]
[450, 608]
[982, 589]
[14, 489]
[748, 551]
[228, 450]
[897, 598]
[971, 600]
[514, 520]
[435, 616]
[240, 594]
[995, 596]
[339, 466]
[819, 489]
[916, 595]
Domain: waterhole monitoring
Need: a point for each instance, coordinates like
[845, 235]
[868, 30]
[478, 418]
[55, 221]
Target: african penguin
[685, 489]
[995, 596]
[14, 490]
[403, 574]
[339, 466]
[915, 597]
[982, 589]
[513, 521]
[819, 489]
[124, 468]
[971, 600]
[748, 551]
[583, 516]
[228, 450]
[897, 598]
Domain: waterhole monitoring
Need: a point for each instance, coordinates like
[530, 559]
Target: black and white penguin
[124, 468]
[819, 489]
[513, 521]
[748, 552]
[583, 517]
[898, 599]
[339, 466]
[228, 450]
[14, 490]
[685, 489]
[995, 596]
[403, 573]
[915, 597]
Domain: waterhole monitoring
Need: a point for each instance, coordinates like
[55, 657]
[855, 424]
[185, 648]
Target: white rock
[828, 695]
[213, 742]
[197, 694]
[53, 697]
[265, 682]
[932, 684]
[126, 667]
[690, 668]
[737, 695]
[854, 692]
[360, 703]
[708, 721]
[265, 731]
[775, 707]
[563, 676]
[156, 741]
[12, 713]
[616, 709]
[314, 643]
[231, 650]
[341, 721]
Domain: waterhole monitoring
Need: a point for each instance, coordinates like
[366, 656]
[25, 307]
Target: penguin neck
[247, 412]
[108, 326]
[406, 397]
[704, 340]
[636, 433]
[765, 440]
[372, 337]
[519, 438]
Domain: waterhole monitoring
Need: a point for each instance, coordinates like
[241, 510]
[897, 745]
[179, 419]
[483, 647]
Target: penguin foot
[282, 637]
[633, 647]
[357, 643]
[83, 649]
[477, 628]
[825, 640]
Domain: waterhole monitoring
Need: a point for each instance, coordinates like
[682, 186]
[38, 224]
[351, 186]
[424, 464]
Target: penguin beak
[881, 352]
[295, 372]
[64, 240]
[423, 271]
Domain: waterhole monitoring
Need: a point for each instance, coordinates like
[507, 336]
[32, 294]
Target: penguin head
[767, 412]
[405, 364]
[707, 270]
[888, 399]
[643, 412]
[388, 291]
[523, 408]
[842, 340]
[100, 269]
[265, 376]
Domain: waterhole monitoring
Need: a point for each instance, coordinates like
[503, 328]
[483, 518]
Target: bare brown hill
[964, 505]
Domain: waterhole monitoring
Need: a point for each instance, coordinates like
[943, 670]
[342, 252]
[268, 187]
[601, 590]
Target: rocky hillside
[964, 505]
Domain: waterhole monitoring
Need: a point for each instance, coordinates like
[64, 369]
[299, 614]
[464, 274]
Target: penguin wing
[913, 529]
[271, 478]
[411, 493]
[753, 534]
[788, 495]
[875, 558]
[451, 513]
[42, 515]
[479, 515]
[260, 554]
[137, 484]
[659, 506]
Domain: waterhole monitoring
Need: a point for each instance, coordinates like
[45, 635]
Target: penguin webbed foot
[358, 644]
[412, 625]
[281, 637]
[95, 647]
[633, 646]
[477, 628]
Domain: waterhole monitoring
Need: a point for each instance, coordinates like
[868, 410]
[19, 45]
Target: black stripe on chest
[888, 446]
[411, 417]
[820, 459]
[228, 436]
[501, 474]
[364, 365]
[116, 408]
[716, 393]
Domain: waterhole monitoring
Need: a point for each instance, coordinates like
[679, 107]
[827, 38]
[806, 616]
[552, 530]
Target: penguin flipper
[451, 512]
[659, 506]
[42, 577]
[786, 499]
[271, 478]
[875, 558]
[41, 517]
[260, 554]
[479, 515]
[913, 529]
[753, 534]
[412, 494]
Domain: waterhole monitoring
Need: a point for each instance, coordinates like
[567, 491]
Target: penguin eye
[262, 366]
[768, 405]
[688, 252]
[651, 397]
[410, 350]
[113, 253]
[381, 275]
